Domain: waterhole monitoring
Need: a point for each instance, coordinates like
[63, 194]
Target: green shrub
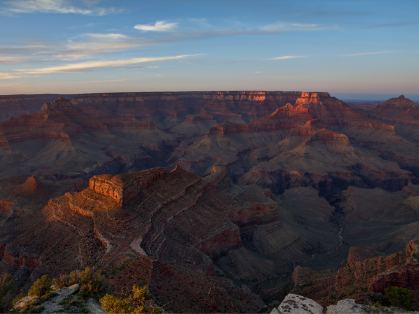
[399, 297]
[41, 287]
[138, 301]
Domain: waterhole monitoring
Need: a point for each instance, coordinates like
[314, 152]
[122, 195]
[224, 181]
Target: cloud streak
[81, 47]
[91, 44]
[7, 76]
[240, 29]
[11, 59]
[91, 65]
[159, 26]
[54, 6]
[287, 57]
[84, 66]
[289, 27]
[367, 53]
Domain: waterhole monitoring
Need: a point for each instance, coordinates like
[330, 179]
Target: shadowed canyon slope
[218, 200]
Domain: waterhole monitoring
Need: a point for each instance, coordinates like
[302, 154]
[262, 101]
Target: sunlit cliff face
[308, 98]
[258, 96]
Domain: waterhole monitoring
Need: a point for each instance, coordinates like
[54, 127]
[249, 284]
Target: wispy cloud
[88, 47]
[289, 27]
[11, 59]
[84, 46]
[91, 65]
[85, 66]
[55, 6]
[27, 48]
[91, 44]
[367, 53]
[107, 36]
[159, 26]
[287, 57]
[7, 76]
[197, 28]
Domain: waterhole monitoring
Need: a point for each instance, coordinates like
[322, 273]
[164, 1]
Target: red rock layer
[174, 219]
[362, 274]
[310, 111]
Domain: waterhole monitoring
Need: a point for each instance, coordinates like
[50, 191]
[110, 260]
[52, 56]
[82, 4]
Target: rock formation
[294, 304]
[173, 219]
[298, 304]
[268, 185]
[361, 275]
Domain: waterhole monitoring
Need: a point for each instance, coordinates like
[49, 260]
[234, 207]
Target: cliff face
[399, 110]
[177, 221]
[124, 188]
[361, 275]
[309, 111]
[16, 105]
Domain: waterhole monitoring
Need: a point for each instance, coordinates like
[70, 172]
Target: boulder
[297, 304]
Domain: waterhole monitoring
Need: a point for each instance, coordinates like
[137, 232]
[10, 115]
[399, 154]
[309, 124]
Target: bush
[139, 301]
[91, 282]
[41, 287]
[113, 304]
[399, 297]
[60, 282]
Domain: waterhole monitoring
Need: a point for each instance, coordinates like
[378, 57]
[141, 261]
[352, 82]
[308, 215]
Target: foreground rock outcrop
[294, 303]
[297, 304]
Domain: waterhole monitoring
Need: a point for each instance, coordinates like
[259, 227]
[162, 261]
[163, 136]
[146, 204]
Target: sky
[360, 49]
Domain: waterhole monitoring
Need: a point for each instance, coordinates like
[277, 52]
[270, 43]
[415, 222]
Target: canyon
[218, 201]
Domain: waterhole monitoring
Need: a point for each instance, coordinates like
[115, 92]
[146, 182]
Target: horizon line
[342, 95]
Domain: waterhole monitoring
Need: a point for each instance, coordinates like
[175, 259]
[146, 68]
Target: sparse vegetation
[91, 285]
[41, 287]
[138, 301]
[91, 282]
[394, 297]
[399, 297]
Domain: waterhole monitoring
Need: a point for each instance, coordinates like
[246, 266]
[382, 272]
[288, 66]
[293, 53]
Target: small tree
[40, 287]
[138, 301]
[399, 297]
[91, 282]
[113, 304]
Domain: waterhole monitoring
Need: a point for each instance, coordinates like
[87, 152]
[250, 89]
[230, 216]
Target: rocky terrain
[298, 304]
[363, 274]
[16, 105]
[218, 201]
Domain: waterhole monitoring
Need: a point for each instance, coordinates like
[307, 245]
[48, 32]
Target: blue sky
[351, 48]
